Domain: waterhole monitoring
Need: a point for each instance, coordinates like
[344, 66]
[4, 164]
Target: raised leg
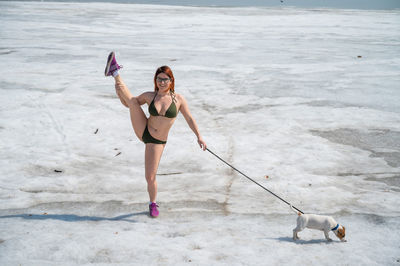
[153, 154]
[122, 90]
[138, 117]
[121, 98]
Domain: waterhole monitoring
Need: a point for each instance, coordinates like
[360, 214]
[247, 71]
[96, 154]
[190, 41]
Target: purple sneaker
[153, 210]
[112, 65]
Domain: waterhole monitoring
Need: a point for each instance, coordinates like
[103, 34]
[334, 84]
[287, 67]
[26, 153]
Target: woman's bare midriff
[159, 126]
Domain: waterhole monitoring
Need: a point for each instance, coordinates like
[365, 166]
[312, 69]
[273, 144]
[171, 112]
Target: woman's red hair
[166, 70]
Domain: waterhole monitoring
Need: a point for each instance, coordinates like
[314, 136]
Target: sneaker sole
[109, 60]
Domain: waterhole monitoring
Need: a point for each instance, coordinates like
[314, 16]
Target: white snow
[309, 97]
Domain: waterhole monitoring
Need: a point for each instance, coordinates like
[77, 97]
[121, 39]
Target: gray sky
[353, 4]
[356, 4]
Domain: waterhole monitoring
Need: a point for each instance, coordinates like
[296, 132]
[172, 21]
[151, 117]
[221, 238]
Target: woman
[164, 105]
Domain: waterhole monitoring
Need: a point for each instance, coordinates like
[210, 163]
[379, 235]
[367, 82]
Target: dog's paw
[329, 240]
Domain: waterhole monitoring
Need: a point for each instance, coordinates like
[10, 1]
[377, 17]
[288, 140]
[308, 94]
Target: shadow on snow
[303, 242]
[74, 218]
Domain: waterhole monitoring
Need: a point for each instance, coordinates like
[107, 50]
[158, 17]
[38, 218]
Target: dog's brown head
[341, 233]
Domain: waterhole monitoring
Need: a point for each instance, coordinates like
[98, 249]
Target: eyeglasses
[163, 80]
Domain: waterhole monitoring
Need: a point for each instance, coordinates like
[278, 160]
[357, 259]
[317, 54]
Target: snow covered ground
[309, 97]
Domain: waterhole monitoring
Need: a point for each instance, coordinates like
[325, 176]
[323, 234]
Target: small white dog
[319, 222]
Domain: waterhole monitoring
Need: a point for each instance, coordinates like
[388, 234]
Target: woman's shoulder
[147, 96]
[179, 97]
[147, 93]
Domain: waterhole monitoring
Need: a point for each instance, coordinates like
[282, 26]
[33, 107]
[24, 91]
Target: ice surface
[309, 97]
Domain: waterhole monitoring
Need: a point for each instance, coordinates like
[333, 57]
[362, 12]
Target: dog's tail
[298, 213]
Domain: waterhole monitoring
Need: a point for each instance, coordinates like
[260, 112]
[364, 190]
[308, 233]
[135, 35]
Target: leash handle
[254, 181]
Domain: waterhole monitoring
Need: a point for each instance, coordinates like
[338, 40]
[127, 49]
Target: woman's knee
[133, 102]
[151, 179]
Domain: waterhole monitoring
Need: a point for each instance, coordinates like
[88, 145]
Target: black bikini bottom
[147, 138]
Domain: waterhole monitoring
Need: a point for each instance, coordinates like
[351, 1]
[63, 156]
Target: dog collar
[336, 227]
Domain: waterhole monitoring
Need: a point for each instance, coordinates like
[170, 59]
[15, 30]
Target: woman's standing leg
[153, 154]
[138, 117]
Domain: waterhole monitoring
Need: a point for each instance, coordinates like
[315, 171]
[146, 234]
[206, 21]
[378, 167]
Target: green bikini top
[170, 113]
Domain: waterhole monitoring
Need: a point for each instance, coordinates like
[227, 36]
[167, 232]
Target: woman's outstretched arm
[191, 122]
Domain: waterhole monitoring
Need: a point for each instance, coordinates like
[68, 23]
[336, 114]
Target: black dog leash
[255, 182]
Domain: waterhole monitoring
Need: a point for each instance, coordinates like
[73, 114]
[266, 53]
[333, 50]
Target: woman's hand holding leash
[202, 143]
